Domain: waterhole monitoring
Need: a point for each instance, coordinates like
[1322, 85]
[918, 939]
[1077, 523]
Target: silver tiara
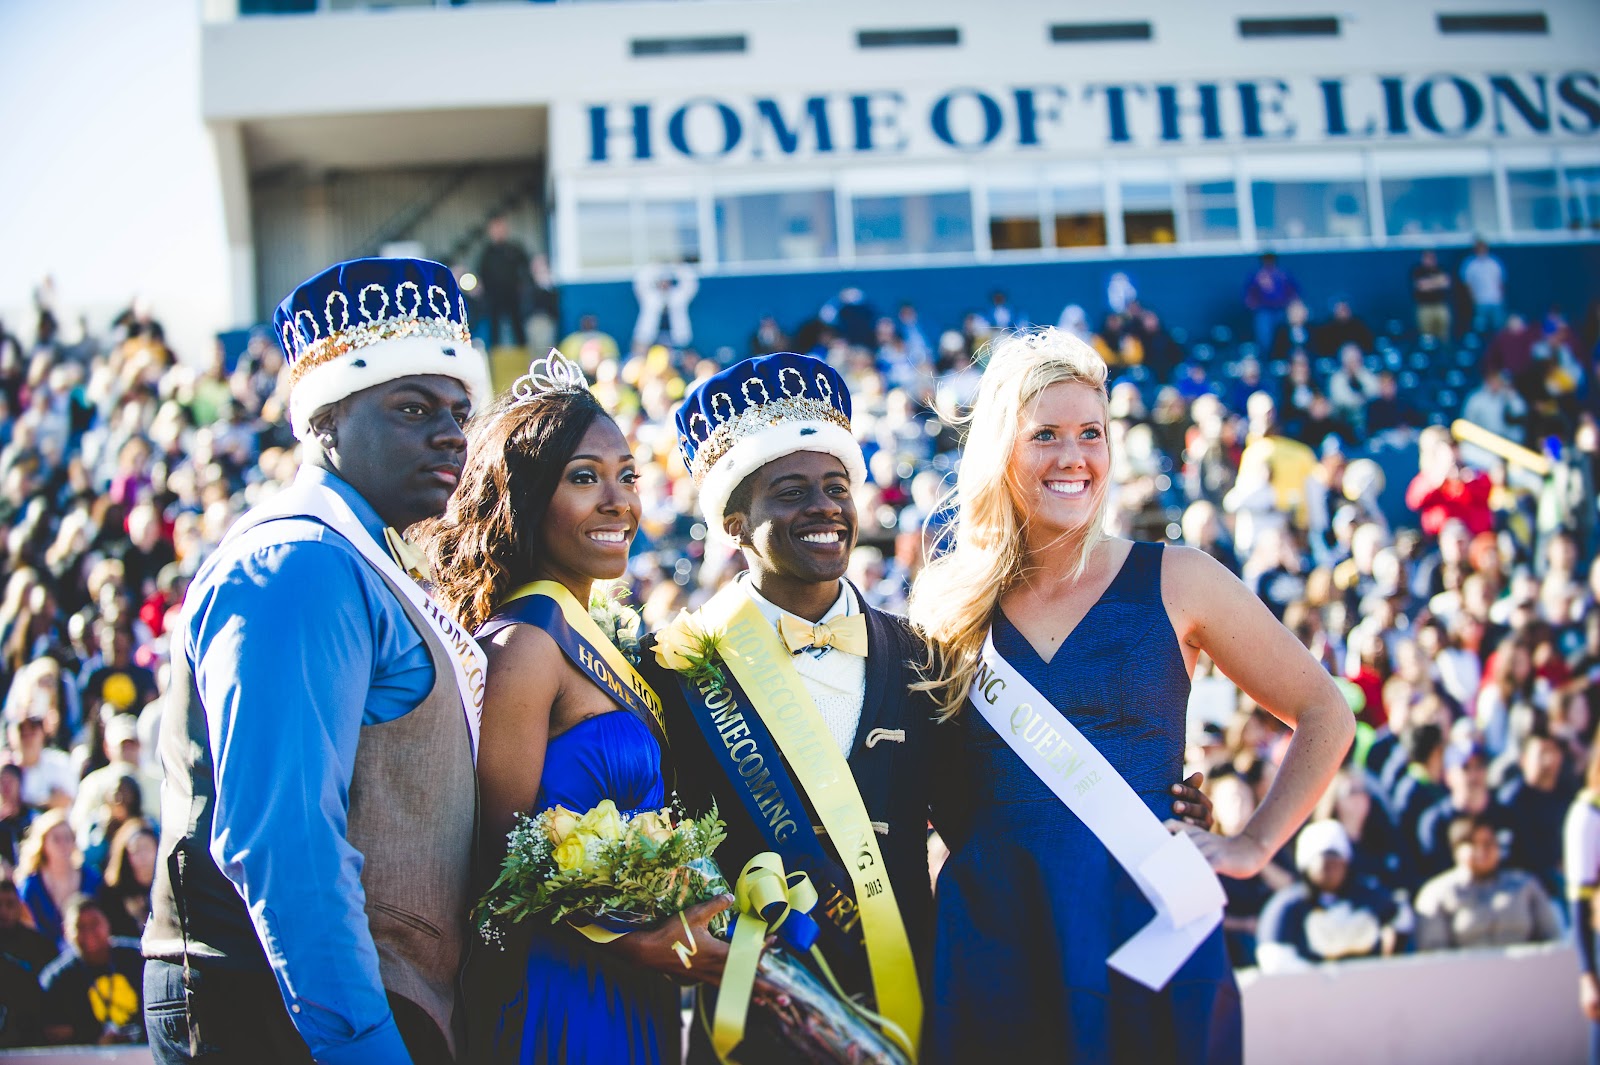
[553, 373]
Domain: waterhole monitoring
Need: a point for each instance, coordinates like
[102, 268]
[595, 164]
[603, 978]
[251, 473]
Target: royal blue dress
[576, 1003]
[1031, 904]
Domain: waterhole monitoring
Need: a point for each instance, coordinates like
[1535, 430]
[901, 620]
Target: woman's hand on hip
[1239, 857]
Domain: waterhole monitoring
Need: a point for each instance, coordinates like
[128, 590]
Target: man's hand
[1589, 995]
[1191, 804]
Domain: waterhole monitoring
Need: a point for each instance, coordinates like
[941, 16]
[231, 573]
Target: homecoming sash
[745, 751]
[551, 607]
[309, 498]
[1168, 868]
[753, 653]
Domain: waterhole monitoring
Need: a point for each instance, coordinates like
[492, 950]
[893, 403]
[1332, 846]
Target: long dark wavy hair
[489, 540]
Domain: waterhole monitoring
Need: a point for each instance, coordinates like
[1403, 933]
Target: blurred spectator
[588, 345]
[1444, 489]
[1076, 322]
[1533, 804]
[48, 780]
[1267, 295]
[24, 953]
[1352, 387]
[503, 280]
[1485, 279]
[1478, 903]
[15, 816]
[1118, 345]
[544, 305]
[768, 337]
[93, 993]
[1294, 334]
[50, 872]
[1466, 775]
[1430, 291]
[1511, 351]
[130, 871]
[1328, 914]
[122, 749]
[1341, 328]
[664, 292]
[1495, 406]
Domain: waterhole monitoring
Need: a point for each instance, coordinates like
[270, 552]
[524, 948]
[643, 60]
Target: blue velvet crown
[753, 395]
[363, 302]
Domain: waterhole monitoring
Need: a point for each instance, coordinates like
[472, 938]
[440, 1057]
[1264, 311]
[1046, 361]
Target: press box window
[1535, 200]
[1211, 209]
[777, 227]
[1147, 213]
[1014, 223]
[605, 235]
[919, 224]
[1310, 210]
[1583, 197]
[670, 231]
[1079, 213]
[1451, 205]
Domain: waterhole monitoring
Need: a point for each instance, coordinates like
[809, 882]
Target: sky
[109, 182]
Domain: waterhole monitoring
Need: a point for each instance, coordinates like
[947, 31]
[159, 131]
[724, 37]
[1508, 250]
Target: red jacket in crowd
[1465, 497]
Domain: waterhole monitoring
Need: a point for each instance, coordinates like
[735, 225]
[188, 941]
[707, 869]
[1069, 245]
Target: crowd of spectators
[1464, 623]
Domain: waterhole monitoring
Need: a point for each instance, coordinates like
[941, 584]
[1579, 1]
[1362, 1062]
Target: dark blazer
[892, 776]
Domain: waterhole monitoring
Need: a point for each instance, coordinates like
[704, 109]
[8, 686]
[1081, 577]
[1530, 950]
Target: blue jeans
[232, 1015]
[1267, 320]
[1487, 318]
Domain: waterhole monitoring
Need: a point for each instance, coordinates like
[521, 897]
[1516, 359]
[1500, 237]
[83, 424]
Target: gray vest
[413, 817]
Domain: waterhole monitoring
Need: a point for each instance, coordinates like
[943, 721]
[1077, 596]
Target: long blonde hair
[954, 599]
[30, 854]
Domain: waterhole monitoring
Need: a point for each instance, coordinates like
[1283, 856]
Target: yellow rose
[570, 854]
[652, 826]
[603, 821]
[561, 823]
[678, 641]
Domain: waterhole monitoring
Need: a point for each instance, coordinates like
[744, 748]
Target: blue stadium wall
[1194, 292]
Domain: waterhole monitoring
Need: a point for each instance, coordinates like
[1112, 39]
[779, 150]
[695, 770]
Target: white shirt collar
[844, 605]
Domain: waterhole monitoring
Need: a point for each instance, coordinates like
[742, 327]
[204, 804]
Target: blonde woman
[50, 871]
[1093, 643]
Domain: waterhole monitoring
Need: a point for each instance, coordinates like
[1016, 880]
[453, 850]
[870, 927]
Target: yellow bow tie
[847, 634]
[414, 562]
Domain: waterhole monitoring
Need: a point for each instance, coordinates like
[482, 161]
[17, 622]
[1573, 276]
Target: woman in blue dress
[1031, 903]
[548, 494]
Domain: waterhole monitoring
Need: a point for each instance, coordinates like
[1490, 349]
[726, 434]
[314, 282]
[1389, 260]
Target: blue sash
[544, 612]
[744, 749]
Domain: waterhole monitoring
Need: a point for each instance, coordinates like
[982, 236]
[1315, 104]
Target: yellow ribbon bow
[762, 883]
[847, 634]
[763, 899]
[414, 562]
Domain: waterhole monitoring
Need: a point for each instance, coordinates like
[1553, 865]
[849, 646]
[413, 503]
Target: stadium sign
[881, 123]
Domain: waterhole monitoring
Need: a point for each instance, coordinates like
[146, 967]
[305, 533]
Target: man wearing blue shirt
[319, 800]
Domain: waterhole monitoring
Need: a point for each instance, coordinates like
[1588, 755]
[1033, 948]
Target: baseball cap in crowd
[1319, 838]
[120, 729]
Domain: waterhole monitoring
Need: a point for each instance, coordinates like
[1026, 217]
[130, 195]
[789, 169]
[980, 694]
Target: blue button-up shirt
[296, 643]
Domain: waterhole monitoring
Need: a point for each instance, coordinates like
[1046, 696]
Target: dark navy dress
[1031, 904]
[552, 996]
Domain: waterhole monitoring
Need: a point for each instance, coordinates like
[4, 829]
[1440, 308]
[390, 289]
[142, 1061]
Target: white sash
[1169, 869]
[309, 498]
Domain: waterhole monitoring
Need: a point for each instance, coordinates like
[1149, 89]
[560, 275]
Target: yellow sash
[621, 670]
[752, 651]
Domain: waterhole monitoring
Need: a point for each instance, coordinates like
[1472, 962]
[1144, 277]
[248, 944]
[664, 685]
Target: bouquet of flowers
[607, 874]
[602, 870]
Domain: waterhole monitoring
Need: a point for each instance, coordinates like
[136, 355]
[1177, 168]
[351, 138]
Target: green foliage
[657, 866]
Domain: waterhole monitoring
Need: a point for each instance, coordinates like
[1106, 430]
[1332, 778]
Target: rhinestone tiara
[553, 373]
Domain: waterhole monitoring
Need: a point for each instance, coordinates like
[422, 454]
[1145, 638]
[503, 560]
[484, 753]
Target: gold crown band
[357, 337]
[754, 420]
